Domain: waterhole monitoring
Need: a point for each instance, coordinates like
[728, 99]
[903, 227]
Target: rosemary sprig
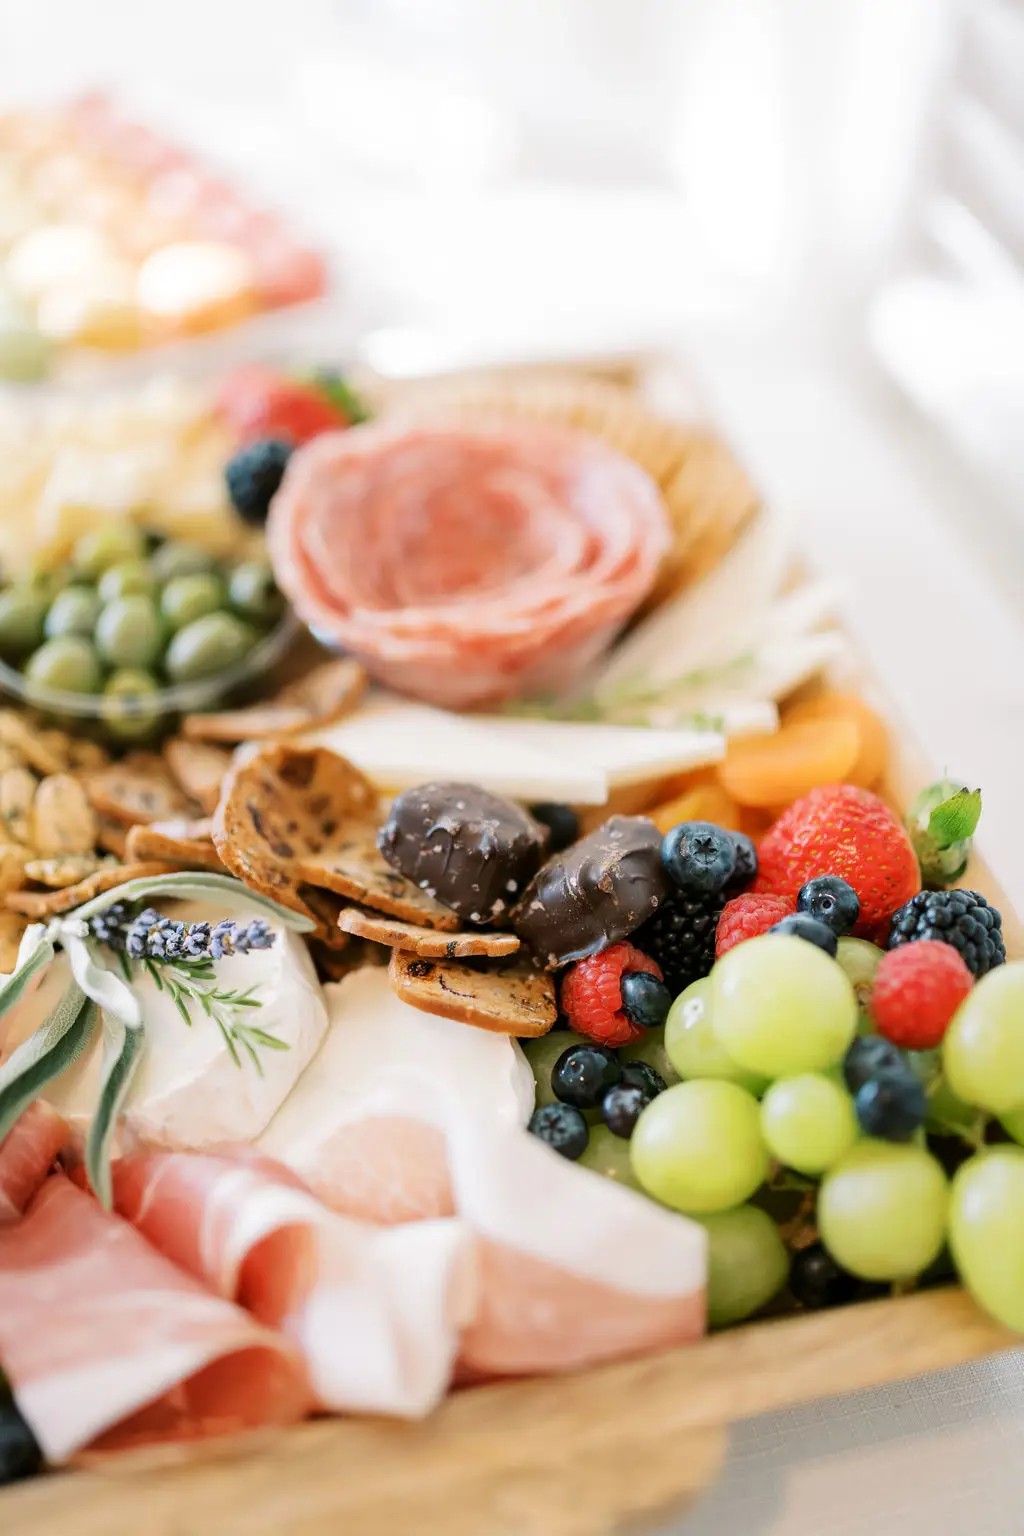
[193, 983]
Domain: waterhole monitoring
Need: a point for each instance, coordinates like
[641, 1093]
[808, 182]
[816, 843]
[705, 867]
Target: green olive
[253, 593]
[126, 578]
[130, 705]
[108, 545]
[186, 598]
[130, 632]
[22, 611]
[67, 663]
[73, 612]
[178, 558]
[207, 646]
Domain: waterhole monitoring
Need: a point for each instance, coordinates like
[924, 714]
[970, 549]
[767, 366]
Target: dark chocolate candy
[465, 847]
[595, 893]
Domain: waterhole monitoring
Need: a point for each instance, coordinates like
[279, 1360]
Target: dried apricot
[704, 802]
[874, 737]
[773, 770]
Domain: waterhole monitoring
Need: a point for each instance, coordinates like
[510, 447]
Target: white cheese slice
[628, 754]
[382, 1058]
[399, 744]
[188, 1093]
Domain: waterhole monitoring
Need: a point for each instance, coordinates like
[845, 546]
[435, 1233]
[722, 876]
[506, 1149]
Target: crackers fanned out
[38, 905]
[430, 943]
[507, 996]
[178, 842]
[137, 789]
[199, 769]
[292, 816]
[325, 694]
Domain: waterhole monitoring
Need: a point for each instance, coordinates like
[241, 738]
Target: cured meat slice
[365, 1125]
[376, 1313]
[466, 565]
[574, 1269]
[26, 1156]
[109, 1344]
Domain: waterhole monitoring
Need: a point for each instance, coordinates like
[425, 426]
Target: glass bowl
[114, 720]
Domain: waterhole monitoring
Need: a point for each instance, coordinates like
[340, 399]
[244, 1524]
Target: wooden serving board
[579, 1455]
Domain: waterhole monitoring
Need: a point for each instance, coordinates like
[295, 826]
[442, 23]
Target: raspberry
[592, 994]
[917, 990]
[745, 917]
[849, 832]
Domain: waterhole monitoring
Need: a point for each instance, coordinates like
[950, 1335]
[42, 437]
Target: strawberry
[917, 990]
[841, 830]
[260, 402]
[747, 916]
[592, 994]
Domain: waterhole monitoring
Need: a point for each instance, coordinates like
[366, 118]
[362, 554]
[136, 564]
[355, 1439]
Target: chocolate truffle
[465, 847]
[595, 893]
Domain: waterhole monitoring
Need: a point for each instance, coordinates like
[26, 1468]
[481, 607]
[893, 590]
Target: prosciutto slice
[27, 1154]
[108, 1344]
[466, 565]
[375, 1313]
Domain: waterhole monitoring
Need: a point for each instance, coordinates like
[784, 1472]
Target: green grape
[808, 1122]
[608, 1155]
[946, 1113]
[986, 1231]
[747, 1263]
[651, 1048]
[542, 1055]
[781, 1006]
[698, 1146]
[882, 1210]
[860, 961]
[691, 1044]
[983, 1048]
[1013, 1124]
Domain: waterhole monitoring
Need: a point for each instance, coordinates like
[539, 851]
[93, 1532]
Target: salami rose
[466, 565]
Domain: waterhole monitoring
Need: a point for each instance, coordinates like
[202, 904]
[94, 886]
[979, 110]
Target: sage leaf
[51, 1048]
[123, 1046]
[218, 890]
[14, 987]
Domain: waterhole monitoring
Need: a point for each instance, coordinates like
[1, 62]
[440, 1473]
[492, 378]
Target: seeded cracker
[180, 842]
[508, 996]
[39, 905]
[66, 869]
[426, 942]
[198, 768]
[325, 694]
[12, 927]
[30, 744]
[137, 789]
[63, 821]
[17, 792]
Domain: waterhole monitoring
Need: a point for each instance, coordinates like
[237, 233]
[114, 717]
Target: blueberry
[637, 1074]
[817, 1281]
[699, 856]
[745, 872]
[561, 821]
[20, 1456]
[621, 1108]
[831, 901]
[803, 927]
[891, 1105]
[645, 1000]
[254, 476]
[867, 1056]
[562, 1127]
[583, 1074]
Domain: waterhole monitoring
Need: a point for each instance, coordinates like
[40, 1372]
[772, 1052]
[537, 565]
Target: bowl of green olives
[135, 630]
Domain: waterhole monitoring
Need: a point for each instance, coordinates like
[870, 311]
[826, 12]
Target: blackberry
[254, 475]
[681, 936]
[961, 918]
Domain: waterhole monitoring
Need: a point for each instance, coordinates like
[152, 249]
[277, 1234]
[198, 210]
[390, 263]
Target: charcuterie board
[582, 1454]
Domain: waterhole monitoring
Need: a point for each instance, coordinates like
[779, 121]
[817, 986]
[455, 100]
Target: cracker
[427, 942]
[12, 867]
[17, 792]
[12, 929]
[38, 905]
[291, 817]
[325, 694]
[111, 835]
[198, 768]
[63, 821]
[507, 996]
[74, 752]
[64, 869]
[29, 743]
[184, 842]
[137, 789]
